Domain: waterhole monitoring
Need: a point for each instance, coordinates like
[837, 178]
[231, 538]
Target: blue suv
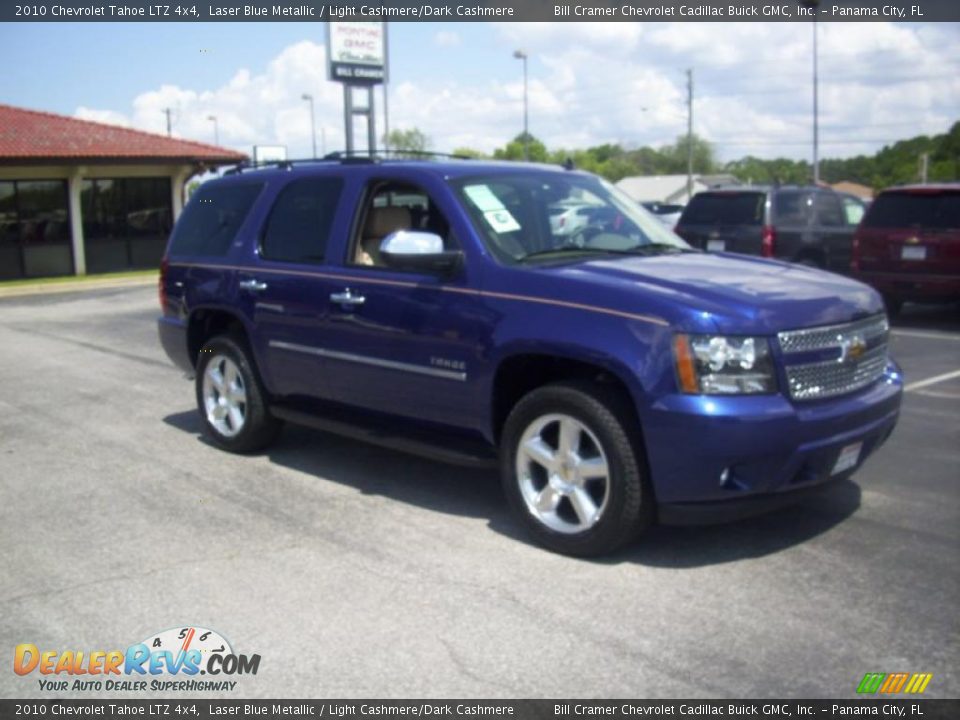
[616, 375]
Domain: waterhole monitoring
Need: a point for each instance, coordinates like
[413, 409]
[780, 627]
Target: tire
[231, 399]
[565, 509]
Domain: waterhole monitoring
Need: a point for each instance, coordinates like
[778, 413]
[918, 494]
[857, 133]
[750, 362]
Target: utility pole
[166, 111]
[689, 134]
[816, 121]
[924, 166]
[522, 55]
[313, 123]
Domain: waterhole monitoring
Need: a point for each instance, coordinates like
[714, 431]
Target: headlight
[718, 365]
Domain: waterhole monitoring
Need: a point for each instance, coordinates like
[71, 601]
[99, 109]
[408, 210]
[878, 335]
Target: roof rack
[344, 157]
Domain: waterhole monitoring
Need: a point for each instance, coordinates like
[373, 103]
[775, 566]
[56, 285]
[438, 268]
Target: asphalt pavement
[360, 572]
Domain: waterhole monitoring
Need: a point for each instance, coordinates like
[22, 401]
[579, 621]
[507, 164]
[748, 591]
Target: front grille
[861, 357]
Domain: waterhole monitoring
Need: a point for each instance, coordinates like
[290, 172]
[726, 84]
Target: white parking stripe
[931, 381]
[925, 335]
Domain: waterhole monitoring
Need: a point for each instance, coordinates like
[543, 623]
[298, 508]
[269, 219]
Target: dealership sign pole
[357, 57]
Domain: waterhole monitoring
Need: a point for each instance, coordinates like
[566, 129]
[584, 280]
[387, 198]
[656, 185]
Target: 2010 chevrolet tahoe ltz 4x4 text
[619, 376]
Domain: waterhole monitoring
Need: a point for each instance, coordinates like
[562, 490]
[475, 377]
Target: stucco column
[177, 182]
[74, 183]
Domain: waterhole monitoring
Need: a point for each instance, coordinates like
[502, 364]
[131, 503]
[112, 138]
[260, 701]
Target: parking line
[931, 381]
[926, 335]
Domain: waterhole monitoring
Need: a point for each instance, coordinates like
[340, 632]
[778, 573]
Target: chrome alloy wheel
[563, 473]
[224, 396]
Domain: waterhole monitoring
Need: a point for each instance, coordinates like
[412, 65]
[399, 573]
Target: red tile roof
[31, 136]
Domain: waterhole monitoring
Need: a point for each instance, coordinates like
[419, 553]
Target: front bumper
[718, 458]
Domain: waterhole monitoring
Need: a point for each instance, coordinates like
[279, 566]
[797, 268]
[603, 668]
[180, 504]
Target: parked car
[567, 219]
[908, 244]
[807, 225]
[616, 377]
[667, 213]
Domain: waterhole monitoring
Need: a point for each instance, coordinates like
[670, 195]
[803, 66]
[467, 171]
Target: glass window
[792, 208]
[34, 229]
[938, 210]
[853, 210]
[516, 216]
[724, 208]
[829, 210]
[300, 221]
[43, 212]
[212, 218]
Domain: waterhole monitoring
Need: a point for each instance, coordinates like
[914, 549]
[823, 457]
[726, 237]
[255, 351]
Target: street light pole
[216, 129]
[811, 6]
[313, 124]
[521, 55]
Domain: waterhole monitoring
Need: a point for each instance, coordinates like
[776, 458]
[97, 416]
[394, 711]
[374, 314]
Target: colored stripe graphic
[892, 683]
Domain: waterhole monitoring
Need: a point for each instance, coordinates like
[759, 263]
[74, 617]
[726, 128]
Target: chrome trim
[272, 307]
[831, 336]
[830, 378]
[366, 360]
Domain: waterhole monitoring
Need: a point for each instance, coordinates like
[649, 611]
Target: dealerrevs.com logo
[171, 660]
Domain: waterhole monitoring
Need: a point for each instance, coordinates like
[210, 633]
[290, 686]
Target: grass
[77, 278]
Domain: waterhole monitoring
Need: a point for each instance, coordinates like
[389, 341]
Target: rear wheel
[230, 397]
[571, 471]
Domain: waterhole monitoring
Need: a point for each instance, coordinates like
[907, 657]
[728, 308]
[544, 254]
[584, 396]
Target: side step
[453, 450]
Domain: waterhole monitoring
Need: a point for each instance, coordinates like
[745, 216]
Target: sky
[589, 83]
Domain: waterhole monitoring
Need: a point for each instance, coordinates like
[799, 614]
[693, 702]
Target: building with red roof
[81, 197]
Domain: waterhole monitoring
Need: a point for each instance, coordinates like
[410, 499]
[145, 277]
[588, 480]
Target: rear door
[285, 286]
[724, 221]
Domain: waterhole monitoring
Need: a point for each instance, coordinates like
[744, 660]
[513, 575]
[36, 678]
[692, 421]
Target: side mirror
[420, 251]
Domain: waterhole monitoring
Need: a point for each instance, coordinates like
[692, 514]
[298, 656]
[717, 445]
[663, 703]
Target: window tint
[212, 218]
[937, 210]
[829, 210]
[726, 208]
[300, 221]
[792, 208]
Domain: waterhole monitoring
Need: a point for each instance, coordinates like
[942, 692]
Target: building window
[126, 222]
[34, 229]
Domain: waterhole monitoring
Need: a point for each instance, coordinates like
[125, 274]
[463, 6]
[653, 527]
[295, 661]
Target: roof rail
[344, 157]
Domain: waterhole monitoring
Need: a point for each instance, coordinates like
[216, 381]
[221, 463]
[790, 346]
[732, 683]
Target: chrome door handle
[347, 298]
[253, 285]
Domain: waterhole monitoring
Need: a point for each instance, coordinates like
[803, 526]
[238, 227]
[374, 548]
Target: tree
[407, 142]
[514, 150]
[468, 153]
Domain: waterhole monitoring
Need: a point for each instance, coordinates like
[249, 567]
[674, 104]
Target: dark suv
[614, 374]
[807, 225]
[908, 245]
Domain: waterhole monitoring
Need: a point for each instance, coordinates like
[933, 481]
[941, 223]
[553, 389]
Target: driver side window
[390, 207]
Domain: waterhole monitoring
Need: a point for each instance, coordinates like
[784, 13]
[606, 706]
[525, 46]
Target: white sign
[357, 52]
[269, 153]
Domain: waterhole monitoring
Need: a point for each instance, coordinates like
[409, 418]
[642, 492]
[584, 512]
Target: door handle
[252, 285]
[347, 298]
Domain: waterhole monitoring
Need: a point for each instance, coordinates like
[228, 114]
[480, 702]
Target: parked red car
[908, 244]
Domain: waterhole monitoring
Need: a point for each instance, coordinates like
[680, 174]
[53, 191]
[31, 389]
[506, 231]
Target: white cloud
[102, 116]
[447, 39]
[592, 83]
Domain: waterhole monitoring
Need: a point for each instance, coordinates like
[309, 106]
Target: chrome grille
[861, 358]
[825, 338]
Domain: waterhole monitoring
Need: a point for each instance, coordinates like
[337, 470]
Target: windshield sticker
[501, 221]
[496, 215]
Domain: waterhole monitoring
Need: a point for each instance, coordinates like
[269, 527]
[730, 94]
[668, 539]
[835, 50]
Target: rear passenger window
[829, 210]
[212, 218]
[792, 208]
[300, 222]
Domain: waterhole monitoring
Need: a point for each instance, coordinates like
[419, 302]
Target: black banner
[483, 10]
[927, 709]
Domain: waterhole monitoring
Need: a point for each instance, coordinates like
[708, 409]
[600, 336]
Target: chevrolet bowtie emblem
[852, 348]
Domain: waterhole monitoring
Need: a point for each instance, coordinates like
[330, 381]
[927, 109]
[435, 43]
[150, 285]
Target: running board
[453, 451]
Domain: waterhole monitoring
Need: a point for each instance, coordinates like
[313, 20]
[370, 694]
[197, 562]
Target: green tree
[407, 142]
[468, 152]
[514, 150]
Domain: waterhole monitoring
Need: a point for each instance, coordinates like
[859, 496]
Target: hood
[728, 293]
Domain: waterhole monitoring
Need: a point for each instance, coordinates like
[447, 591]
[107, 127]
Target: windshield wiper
[560, 249]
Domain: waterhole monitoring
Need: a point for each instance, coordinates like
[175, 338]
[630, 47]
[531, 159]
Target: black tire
[629, 505]
[258, 428]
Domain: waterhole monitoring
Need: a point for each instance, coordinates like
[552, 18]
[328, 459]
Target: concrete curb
[78, 286]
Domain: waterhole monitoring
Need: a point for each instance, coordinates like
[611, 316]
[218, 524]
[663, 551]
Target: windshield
[544, 215]
[935, 210]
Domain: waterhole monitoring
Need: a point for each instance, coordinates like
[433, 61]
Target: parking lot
[359, 572]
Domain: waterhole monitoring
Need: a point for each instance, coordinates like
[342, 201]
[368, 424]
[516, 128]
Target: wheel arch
[207, 322]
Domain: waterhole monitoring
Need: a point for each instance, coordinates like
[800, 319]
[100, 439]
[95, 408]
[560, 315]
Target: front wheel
[571, 471]
[231, 399]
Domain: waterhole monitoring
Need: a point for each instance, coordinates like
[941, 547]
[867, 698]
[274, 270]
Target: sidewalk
[78, 284]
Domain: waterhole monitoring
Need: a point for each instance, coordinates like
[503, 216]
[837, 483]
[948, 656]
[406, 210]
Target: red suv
[908, 244]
